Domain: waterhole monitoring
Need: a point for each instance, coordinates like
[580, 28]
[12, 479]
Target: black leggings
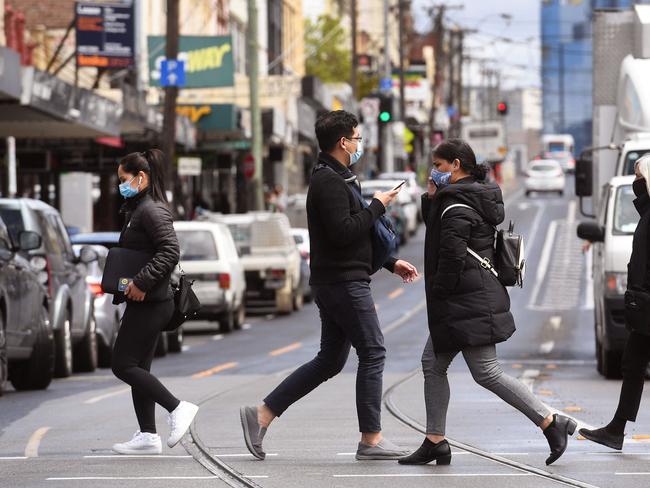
[133, 354]
[635, 362]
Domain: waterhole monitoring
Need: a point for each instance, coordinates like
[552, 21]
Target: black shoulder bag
[186, 304]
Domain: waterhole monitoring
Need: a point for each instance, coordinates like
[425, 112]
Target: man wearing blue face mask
[340, 229]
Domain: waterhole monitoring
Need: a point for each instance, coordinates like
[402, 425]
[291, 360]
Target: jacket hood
[485, 198]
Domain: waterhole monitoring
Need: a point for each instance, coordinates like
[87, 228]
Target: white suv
[210, 258]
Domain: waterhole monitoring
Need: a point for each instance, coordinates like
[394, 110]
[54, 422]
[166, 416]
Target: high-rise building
[566, 65]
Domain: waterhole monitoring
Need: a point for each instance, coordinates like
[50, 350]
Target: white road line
[35, 441]
[103, 478]
[137, 456]
[405, 318]
[546, 347]
[556, 322]
[571, 213]
[432, 475]
[248, 326]
[185, 348]
[589, 281]
[536, 223]
[243, 455]
[218, 337]
[99, 398]
[542, 267]
[12, 458]
[633, 474]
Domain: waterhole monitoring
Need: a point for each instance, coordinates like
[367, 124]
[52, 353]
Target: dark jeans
[348, 317]
[132, 356]
[635, 362]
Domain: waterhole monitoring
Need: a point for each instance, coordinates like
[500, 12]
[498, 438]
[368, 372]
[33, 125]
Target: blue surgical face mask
[126, 191]
[356, 156]
[439, 178]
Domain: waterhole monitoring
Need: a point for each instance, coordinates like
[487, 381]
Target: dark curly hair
[331, 126]
[458, 149]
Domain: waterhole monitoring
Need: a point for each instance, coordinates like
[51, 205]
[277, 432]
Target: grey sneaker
[385, 450]
[253, 432]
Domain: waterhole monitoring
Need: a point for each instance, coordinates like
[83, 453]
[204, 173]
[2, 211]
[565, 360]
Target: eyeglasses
[360, 139]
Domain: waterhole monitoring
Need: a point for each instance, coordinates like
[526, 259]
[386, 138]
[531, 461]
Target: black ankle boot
[604, 437]
[557, 434]
[427, 452]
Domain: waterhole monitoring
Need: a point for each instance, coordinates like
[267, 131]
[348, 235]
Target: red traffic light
[502, 108]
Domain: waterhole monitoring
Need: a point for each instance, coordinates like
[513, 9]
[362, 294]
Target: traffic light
[502, 108]
[385, 109]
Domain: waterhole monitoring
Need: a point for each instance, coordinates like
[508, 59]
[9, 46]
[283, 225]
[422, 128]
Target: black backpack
[509, 252]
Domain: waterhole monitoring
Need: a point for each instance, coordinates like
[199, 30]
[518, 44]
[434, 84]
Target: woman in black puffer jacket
[468, 308]
[148, 226]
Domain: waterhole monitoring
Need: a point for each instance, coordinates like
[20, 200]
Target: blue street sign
[172, 72]
[386, 84]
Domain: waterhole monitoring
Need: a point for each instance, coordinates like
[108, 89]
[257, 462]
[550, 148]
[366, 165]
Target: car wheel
[298, 299]
[162, 346]
[227, 322]
[4, 360]
[85, 352]
[240, 316]
[175, 340]
[611, 363]
[63, 349]
[284, 301]
[36, 372]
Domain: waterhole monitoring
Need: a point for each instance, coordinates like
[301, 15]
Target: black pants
[635, 362]
[348, 317]
[133, 354]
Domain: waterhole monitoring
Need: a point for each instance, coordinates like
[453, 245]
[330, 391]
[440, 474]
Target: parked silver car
[64, 276]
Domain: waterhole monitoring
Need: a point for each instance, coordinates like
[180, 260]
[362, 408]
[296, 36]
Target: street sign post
[189, 166]
[172, 73]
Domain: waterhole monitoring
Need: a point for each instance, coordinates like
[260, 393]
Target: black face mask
[639, 187]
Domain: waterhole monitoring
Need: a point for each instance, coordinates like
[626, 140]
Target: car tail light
[224, 281]
[96, 289]
[277, 273]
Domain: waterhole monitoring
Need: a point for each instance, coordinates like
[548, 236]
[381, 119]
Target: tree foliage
[328, 58]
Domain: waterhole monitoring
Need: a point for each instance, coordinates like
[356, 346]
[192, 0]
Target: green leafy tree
[328, 58]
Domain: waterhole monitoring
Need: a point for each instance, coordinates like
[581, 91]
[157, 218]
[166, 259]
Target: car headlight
[615, 284]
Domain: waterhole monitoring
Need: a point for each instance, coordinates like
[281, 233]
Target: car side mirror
[584, 177]
[28, 240]
[88, 255]
[591, 231]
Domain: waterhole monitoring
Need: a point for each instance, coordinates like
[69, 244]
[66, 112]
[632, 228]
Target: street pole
[402, 96]
[168, 143]
[256, 114]
[388, 163]
[355, 67]
[561, 82]
[12, 189]
[435, 87]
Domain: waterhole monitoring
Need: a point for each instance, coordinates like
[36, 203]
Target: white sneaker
[180, 420]
[141, 443]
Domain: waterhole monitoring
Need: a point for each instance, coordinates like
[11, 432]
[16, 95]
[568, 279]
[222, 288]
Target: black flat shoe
[557, 434]
[601, 436]
[427, 452]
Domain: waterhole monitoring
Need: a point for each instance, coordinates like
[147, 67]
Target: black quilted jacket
[148, 226]
[466, 305]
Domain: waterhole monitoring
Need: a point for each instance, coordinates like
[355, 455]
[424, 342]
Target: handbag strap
[484, 262]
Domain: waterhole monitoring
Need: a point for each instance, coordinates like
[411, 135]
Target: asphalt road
[62, 436]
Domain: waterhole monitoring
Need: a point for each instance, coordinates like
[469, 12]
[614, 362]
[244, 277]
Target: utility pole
[256, 114]
[12, 188]
[355, 67]
[438, 29]
[386, 138]
[402, 95]
[561, 83]
[168, 143]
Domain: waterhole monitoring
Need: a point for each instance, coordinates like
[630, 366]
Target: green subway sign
[208, 60]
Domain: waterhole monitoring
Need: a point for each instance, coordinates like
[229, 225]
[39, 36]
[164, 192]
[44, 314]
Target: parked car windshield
[241, 234]
[626, 217]
[197, 245]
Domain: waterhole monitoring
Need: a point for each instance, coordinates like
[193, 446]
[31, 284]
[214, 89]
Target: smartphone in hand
[399, 186]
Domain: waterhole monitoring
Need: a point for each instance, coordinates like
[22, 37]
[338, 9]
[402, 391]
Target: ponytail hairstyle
[458, 149]
[152, 163]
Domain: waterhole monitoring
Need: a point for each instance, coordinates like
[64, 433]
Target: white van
[210, 258]
[560, 147]
[611, 236]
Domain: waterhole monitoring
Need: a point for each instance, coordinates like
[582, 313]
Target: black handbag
[637, 311]
[186, 304]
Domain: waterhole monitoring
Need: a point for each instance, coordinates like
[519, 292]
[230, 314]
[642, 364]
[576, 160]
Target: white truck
[560, 147]
[621, 134]
[487, 139]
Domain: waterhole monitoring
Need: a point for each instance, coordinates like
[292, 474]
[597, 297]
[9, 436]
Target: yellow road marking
[286, 349]
[215, 370]
[517, 366]
[573, 409]
[545, 392]
[640, 437]
[395, 293]
[551, 366]
[35, 441]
